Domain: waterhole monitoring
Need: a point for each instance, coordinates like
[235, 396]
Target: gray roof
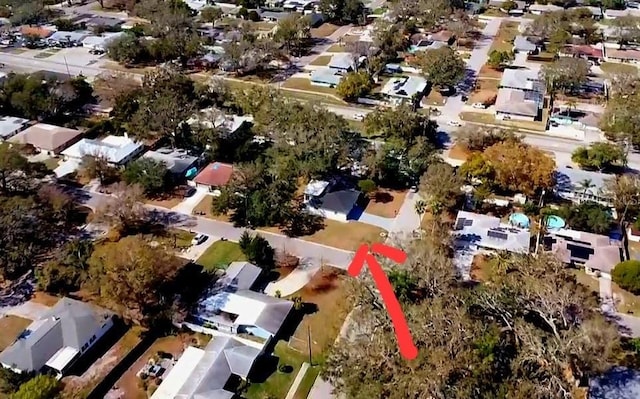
[340, 201]
[274, 15]
[10, 125]
[593, 250]
[76, 36]
[518, 102]
[617, 383]
[569, 179]
[488, 232]
[239, 276]
[521, 43]
[103, 21]
[326, 76]
[69, 323]
[521, 80]
[223, 357]
[176, 160]
[404, 86]
[342, 61]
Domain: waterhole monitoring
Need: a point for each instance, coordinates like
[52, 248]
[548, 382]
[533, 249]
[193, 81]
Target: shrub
[367, 186]
[627, 275]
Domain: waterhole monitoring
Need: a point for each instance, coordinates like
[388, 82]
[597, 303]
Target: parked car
[454, 123]
[479, 105]
[199, 239]
[359, 117]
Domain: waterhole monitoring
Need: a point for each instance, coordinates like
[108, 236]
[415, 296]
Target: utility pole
[67, 65]
[309, 336]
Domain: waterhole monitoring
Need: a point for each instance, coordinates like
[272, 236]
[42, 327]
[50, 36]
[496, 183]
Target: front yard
[219, 255]
[504, 38]
[489, 118]
[485, 91]
[11, 327]
[324, 30]
[321, 60]
[347, 236]
[204, 208]
[305, 84]
[434, 98]
[615, 68]
[386, 203]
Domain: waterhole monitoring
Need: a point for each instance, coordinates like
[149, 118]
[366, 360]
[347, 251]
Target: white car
[479, 105]
[199, 239]
[454, 123]
[359, 117]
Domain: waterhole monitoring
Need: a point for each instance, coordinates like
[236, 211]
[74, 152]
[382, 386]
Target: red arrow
[407, 348]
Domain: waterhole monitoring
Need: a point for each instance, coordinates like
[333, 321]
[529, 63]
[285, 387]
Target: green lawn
[277, 384]
[11, 327]
[220, 254]
[614, 67]
[489, 118]
[307, 383]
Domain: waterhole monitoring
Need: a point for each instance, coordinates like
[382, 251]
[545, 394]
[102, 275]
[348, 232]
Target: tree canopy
[150, 174]
[354, 85]
[443, 67]
[627, 275]
[496, 340]
[566, 74]
[587, 216]
[599, 156]
[41, 386]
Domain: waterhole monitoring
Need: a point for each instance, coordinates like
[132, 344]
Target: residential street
[478, 58]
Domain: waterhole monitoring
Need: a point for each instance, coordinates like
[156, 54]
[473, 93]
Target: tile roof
[216, 174]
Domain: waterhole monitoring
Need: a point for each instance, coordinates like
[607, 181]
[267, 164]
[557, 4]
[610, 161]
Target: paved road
[629, 325]
[479, 55]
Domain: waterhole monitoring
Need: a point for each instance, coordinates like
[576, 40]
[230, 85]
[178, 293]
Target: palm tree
[571, 105]
[586, 184]
[420, 207]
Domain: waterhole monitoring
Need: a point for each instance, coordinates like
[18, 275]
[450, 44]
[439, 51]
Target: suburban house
[520, 95]
[342, 62]
[443, 36]
[213, 118]
[404, 88]
[631, 56]
[587, 52]
[521, 44]
[177, 161]
[328, 200]
[10, 126]
[231, 306]
[213, 177]
[65, 38]
[274, 16]
[537, 9]
[326, 77]
[100, 43]
[58, 338]
[597, 253]
[579, 185]
[117, 150]
[46, 138]
[205, 373]
[107, 22]
[627, 12]
[475, 233]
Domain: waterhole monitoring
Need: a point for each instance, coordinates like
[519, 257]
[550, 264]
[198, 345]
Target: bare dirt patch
[386, 203]
[324, 30]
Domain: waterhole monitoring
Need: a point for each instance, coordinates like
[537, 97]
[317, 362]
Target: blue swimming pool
[555, 222]
[519, 219]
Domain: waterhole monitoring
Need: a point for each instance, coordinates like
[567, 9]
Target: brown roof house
[46, 138]
[597, 253]
[213, 177]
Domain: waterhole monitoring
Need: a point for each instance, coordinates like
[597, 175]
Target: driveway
[190, 203]
[28, 310]
[407, 220]
[195, 251]
[375, 220]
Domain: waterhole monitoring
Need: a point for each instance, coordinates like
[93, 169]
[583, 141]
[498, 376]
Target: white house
[10, 126]
[101, 42]
[58, 338]
[328, 201]
[404, 88]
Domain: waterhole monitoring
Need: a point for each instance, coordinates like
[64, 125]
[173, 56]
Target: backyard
[11, 327]
[219, 255]
[386, 203]
[132, 386]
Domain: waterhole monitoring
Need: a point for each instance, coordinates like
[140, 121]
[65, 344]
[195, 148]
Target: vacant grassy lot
[504, 38]
[386, 203]
[347, 236]
[11, 327]
[324, 30]
[485, 91]
[321, 60]
[614, 67]
[220, 254]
